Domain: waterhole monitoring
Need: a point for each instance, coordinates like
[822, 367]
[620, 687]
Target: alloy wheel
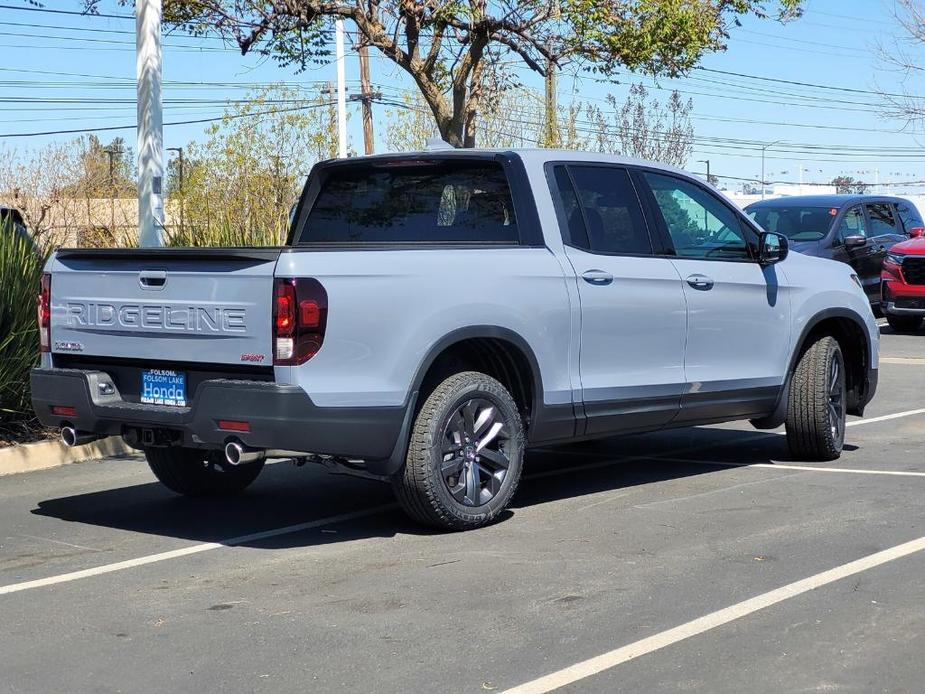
[474, 453]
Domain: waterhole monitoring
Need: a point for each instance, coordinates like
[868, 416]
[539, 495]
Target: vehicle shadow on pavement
[285, 496]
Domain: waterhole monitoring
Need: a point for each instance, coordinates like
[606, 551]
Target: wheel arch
[500, 352]
[849, 330]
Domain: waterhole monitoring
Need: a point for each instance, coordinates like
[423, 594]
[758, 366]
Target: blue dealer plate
[163, 387]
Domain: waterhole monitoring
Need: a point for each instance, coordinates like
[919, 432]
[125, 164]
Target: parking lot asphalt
[690, 560]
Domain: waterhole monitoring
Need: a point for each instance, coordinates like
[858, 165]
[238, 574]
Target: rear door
[738, 332]
[886, 230]
[633, 314]
[209, 306]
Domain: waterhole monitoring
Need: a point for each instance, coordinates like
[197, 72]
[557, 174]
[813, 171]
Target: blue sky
[826, 131]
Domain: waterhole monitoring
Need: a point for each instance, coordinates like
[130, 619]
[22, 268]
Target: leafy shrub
[20, 273]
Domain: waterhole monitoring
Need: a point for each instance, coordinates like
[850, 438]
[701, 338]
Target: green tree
[448, 47]
[104, 170]
[239, 185]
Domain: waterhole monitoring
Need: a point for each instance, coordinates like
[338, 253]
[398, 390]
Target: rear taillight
[916, 232]
[300, 315]
[44, 313]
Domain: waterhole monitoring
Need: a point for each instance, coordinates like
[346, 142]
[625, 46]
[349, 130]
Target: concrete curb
[48, 454]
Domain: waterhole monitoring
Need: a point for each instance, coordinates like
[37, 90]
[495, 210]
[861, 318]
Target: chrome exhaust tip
[237, 453]
[70, 437]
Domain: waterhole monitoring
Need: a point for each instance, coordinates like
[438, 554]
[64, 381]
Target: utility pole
[707, 162]
[551, 108]
[180, 189]
[551, 137]
[366, 98]
[150, 122]
[341, 89]
[111, 152]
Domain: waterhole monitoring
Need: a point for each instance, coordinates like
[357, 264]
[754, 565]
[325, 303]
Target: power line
[30, 8]
[186, 122]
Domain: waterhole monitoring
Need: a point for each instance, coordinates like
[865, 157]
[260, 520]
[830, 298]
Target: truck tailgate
[164, 305]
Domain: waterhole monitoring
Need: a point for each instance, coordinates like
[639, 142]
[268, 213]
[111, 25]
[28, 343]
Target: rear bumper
[279, 416]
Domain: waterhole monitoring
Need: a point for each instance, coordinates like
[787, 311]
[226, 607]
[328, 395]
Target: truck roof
[534, 156]
[837, 201]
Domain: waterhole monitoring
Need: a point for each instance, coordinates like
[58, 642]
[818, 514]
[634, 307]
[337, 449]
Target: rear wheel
[816, 407]
[194, 472]
[904, 324]
[465, 456]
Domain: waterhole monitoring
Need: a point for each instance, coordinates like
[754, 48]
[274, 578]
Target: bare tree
[904, 56]
[644, 128]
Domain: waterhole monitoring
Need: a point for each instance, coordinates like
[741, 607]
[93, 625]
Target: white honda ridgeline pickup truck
[435, 314]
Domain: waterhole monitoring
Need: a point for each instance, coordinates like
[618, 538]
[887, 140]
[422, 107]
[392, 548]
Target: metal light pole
[341, 89]
[150, 122]
[763, 150]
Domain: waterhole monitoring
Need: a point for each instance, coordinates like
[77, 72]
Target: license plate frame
[165, 387]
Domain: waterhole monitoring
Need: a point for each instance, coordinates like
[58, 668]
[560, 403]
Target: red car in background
[903, 284]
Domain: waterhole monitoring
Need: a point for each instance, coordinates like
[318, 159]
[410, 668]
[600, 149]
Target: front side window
[882, 221]
[852, 224]
[601, 210]
[699, 224]
[423, 202]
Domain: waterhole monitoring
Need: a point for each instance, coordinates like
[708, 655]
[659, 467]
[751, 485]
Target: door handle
[701, 282]
[598, 278]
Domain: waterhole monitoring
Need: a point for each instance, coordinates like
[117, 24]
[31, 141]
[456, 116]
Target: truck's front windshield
[797, 223]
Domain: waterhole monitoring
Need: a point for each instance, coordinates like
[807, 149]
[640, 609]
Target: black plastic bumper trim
[279, 416]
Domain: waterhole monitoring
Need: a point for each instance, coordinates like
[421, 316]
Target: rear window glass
[445, 202]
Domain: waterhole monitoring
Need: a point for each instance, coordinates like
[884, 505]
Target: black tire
[816, 405]
[904, 324]
[193, 472]
[449, 480]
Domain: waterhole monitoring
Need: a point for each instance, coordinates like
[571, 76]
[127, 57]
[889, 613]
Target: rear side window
[909, 215]
[601, 210]
[882, 220]
[429, 202]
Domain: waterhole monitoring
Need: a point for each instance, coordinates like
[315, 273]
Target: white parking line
[611, 659]
[885, 418]
[910, 361]
[193, 549]
[806, 468]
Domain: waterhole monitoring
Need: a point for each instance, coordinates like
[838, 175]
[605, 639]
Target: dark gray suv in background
[855, 229]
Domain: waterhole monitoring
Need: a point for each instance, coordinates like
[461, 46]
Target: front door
[738, 335]
[864, 259]
[633, 314]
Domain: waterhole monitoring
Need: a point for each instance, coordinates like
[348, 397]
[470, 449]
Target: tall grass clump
[20, 274]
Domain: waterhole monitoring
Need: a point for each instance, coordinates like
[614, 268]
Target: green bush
[20, 274]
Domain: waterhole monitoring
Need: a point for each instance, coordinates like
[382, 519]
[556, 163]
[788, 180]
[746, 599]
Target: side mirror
[916, 232]
[855, 241]
[772, 248]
